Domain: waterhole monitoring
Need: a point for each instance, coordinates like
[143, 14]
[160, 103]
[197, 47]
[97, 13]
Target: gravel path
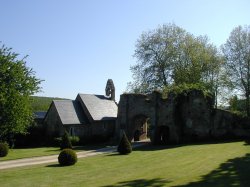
[53, 158]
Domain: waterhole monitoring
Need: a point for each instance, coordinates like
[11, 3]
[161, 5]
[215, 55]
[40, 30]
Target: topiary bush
[4, 149]
[124, 146]
[67, 157]
[66, 143]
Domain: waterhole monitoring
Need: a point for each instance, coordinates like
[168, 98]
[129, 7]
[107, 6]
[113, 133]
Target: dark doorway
[137, 135]
[163, 135]
[140, 127]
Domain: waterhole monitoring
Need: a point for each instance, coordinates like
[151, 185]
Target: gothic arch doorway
[140, 127]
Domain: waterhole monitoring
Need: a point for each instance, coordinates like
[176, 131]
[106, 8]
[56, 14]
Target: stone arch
[140, 127]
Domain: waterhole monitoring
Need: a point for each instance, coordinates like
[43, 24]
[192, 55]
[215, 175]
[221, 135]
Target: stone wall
[227, 124]
[172, 121]
[194, 116]
[130, 108]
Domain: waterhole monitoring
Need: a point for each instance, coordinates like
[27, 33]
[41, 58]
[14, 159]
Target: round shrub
[124, 146]
[67, 157]
[4, 149]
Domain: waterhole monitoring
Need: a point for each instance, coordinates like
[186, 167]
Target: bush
[4, 149]
[34, 138]
[124, 146]
[74, 140]
[67, 157]
[66, 143]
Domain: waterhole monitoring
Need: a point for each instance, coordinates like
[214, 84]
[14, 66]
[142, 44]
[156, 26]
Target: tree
[198, 62]
[237, 55]
[170, 55]
[237, 105]
[124, 146]
[156, 51]
[17, 84]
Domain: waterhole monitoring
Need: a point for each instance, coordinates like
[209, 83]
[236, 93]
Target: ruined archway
[140, 127]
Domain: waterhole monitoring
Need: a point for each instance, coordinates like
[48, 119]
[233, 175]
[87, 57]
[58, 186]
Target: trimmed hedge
[4, 149]
[67, 157]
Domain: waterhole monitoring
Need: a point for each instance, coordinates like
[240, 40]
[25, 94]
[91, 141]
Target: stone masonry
[170, 121]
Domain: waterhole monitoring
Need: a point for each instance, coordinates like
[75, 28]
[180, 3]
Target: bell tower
[110, 89]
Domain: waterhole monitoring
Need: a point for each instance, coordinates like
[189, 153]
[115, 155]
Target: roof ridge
[90, 94]
[63, 100]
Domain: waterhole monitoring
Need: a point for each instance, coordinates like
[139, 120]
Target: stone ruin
[173, 121]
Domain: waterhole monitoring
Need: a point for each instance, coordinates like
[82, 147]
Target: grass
[30, 152]
[42, 103]
[217, 165]
[41, 151]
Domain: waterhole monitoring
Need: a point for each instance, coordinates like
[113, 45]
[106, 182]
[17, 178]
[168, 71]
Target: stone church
[88, 116]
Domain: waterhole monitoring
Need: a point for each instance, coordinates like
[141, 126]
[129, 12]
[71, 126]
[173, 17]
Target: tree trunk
[247, 105]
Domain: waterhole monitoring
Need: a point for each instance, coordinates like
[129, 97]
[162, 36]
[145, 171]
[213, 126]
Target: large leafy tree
[17, 83]
[156, 52]
[237, 54]
[170, 55]
[198, 61]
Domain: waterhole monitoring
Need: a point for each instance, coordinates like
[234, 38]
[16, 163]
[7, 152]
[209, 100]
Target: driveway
[54, 158]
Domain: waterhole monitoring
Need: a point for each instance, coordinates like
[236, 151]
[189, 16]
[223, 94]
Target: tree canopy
[17, 84]
[236, 51]
[170, 55]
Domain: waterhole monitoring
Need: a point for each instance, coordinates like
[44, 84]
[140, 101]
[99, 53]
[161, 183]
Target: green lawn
[216, 165]
[30, 152]
[42, 151]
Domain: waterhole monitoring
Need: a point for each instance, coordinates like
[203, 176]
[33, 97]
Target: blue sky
[76, 45]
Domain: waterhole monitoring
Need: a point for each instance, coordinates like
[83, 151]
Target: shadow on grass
[152, 147]
[53, 166]
[114, 154]
[88, 147]
[234, 172]
[141, 183]
[247, 142]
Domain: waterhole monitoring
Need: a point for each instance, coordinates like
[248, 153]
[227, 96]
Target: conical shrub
[66, 143]
[124, 146]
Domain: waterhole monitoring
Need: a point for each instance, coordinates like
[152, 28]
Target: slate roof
[70, 112]
[98, 107]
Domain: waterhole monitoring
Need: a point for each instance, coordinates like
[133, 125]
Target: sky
[76, 45]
